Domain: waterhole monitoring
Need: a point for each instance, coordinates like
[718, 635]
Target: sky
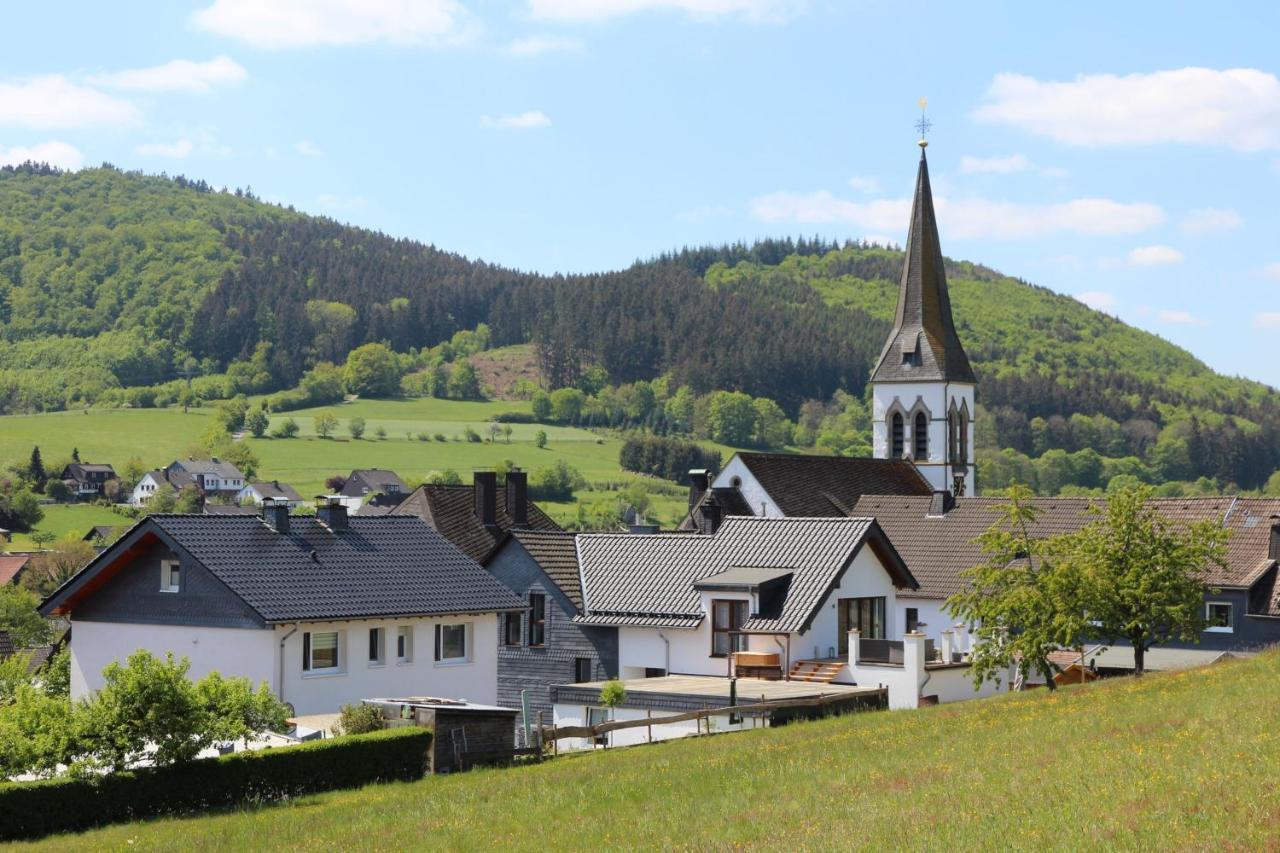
[1127, 154]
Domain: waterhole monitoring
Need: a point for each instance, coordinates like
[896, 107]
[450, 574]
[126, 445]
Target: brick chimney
[485, 485]
[699, 482]
[276, 515]
[331, 512]
[711, 516]
[518, 497]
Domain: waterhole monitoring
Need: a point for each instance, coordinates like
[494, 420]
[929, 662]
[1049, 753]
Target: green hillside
[1177, 761]
[110, 281]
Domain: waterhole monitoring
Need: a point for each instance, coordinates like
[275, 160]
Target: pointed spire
[923, 345]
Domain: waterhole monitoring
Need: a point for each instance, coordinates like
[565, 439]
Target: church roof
[923, 345]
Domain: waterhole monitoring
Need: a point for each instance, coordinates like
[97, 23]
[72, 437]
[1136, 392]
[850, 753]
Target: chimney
[276, 515]
[331, 512]
[699, 482]
[642, 528]
[518, 497]
[710, 521]
[941, 503]
[485, 485]
[1274, 550]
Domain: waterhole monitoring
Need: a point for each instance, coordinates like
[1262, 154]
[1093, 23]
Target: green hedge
[33, 809]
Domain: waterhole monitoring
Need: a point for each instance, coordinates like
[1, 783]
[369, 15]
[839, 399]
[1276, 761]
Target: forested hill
[112, 279]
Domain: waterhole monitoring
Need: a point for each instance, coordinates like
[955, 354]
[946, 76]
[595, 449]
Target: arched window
[963, 456]
[921, 435]
[953, 435]
[898, 445]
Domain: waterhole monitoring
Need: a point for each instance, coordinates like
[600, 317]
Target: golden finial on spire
[923, 125]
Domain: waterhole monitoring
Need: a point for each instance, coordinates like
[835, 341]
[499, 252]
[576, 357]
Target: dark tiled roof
[11, 565]
[653, 576]
[938, 548]
[99, 531]
[365, 480]
[923, 328]
[822, 486]
[388, 566]
[451, 510]
[230, 509]
[276, 490]
[557, 553]
[215, 467]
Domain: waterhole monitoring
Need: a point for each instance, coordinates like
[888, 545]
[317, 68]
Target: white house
[808, 599]
[327, 610]
[212, 477]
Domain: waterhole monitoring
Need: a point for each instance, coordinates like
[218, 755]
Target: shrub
[33, 809]
[381, 433]
[359, 719]
[355, 426]
[669, 458]
[471, 435]
[422, 436]
[441, 437]
[555, 482]
[514, 418]
[540, 439]
[288, 429]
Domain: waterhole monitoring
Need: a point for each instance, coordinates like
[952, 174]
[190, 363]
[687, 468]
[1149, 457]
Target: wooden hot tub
[757, 665]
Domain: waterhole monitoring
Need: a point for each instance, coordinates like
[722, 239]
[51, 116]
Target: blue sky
[1128, 154]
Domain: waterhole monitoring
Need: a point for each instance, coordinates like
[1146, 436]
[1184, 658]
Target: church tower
[923, 386]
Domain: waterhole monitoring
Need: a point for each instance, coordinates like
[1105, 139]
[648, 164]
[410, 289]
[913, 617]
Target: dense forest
[111, 280]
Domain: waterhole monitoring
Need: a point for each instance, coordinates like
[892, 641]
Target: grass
[70, 520]
[1175, 761]
[158, 436]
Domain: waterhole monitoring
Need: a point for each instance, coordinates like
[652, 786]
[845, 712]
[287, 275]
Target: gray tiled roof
[823, 486]
[557, 553]
[451, 510]
[653, 576]
[276, 490]
[382, 566]
[215, 467]
[365, 480]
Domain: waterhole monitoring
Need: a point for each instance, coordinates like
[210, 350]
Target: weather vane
[923, 125]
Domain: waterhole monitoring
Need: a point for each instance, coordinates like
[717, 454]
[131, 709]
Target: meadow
[1171, 761]
[158, 436]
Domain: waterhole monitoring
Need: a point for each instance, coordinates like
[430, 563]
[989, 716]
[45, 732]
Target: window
[404, 644]
[920, 433]
[1219, 615]
[898, 440]
[596, 717]
[170, 575]
[865, 614]
[377, 646]
[537, 619]
[320, 651]
[451, 643]
[726, 617]
[511, 635]
[582, 670]
[913, 619]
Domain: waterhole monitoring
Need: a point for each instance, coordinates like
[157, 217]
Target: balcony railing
[888, 651]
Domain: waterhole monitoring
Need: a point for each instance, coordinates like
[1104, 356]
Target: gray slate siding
[134, 596]
[538, 668]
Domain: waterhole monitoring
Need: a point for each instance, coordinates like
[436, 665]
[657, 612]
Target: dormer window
[170, 576]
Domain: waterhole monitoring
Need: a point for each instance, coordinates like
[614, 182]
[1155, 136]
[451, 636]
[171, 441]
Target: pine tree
[35, 469]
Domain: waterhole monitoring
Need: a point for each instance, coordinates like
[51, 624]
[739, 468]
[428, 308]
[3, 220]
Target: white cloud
[1272, 270]
[965, 218]
[519, 121]
[865, 184]
[55, 102]
[997, 165]
[55, 153]
[1266, 320]
[306, 148]
[1178, 318]
[278, 24]
[180, 75]
[176, 150]
[755, 11]
[1154, 256]
[530, 46]
[1208, 219]
[1236, 108]
[1099, 300]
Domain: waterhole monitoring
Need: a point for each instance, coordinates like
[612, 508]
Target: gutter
[283, 640]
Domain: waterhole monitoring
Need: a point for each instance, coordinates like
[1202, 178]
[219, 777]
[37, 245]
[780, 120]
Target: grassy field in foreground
[1179, 761]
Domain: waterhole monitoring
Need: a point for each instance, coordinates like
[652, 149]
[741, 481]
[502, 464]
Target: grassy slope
[159, 436]
[1184, 761]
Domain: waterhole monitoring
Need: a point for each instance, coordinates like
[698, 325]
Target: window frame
[404, 644]
[309, 667]
[378, 645]
[849, 617]
[440, 659]
[577, 670]
[510, 622]
[167, 570]
[1230, 627]
[537, 620]
[912, 619]
[735, 642]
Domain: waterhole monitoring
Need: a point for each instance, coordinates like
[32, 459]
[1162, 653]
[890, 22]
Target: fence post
[648, 714]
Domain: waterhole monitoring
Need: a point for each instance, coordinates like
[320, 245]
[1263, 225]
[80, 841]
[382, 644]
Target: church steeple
[923, 346]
